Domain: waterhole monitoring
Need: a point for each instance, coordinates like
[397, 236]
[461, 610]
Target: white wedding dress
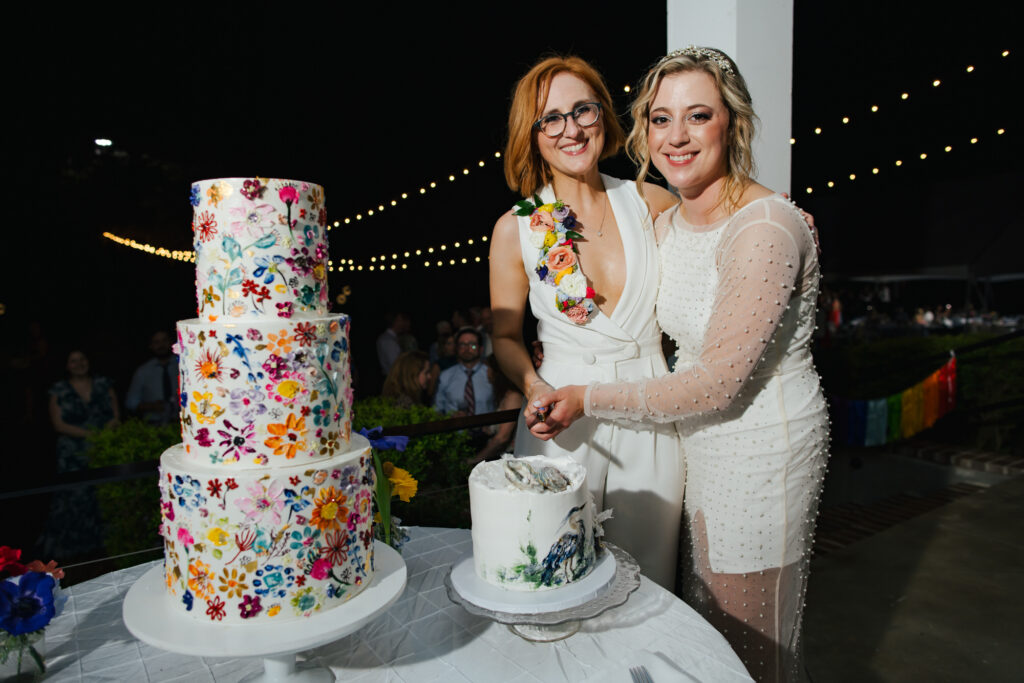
[739, 298]
[635, 470]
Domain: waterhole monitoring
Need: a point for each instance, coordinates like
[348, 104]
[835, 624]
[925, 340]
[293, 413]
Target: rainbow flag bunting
[878, 421]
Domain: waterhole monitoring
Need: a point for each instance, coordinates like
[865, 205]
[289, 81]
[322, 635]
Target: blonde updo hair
[525, 170]
[733, 91]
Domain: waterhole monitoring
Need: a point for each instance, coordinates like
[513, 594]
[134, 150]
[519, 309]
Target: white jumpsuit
[636, 470]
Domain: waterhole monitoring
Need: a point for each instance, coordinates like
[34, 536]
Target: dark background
[378, 102]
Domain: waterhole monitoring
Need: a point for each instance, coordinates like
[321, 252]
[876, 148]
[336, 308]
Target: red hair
[525, 170]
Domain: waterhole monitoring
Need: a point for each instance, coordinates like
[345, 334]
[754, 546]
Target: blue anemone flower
[26, 604]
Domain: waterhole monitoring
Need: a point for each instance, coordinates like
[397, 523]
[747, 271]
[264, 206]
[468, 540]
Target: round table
[422, 637]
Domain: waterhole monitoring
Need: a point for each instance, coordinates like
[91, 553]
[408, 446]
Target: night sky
[374, 104]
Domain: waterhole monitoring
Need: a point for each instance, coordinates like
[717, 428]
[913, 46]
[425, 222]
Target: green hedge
[436, 461]
[131, 509]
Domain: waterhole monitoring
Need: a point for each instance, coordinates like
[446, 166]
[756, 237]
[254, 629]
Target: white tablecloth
[423, 637]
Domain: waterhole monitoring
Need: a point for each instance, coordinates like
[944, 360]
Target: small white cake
[534, 522]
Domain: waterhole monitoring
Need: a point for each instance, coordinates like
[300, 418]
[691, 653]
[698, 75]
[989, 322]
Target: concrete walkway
[935, 598]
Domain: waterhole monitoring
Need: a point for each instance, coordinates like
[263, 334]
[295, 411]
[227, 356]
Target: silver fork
[639, 674]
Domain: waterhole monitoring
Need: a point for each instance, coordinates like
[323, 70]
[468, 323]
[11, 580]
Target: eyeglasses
[467, 345]
[553, 124]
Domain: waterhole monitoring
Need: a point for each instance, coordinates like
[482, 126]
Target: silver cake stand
[152, 617]
[547, 616]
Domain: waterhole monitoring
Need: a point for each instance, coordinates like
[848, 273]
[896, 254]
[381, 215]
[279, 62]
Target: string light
[905, 95]
[423, 190]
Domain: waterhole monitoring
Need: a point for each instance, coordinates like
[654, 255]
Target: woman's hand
[564, 406]
[533, 392]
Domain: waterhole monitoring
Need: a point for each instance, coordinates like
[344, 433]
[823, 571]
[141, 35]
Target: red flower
[322, 217]
[215, 608]
[214, 488]
[206, 225]
[9, 561]
[294, 480]
[249, 287]
[300, 581]
[305, 334]
[230, 483]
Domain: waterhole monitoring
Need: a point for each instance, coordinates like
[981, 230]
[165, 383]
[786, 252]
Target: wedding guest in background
[464, 388]
[443, 329]
[408, 383]
[446, 353]
[506, 397]
[79, 404]
[389, 343]
[153, 393]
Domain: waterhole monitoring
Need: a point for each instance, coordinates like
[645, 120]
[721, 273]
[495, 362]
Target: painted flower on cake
[335, 547]
[218, 536]
[249, 607]
[200, 581]
[279, 343]
[232, 583]
[251, 217]
[237, 442]
[215, 608]
[288, 437]
[203, 407]
[262, 503]
[303, 540]
[305, 334]
[288, 194]
[306, 601]
[329, 509]
[218, 192]
[193, 195]
[205, 226]
[208, 365]
[320, 569]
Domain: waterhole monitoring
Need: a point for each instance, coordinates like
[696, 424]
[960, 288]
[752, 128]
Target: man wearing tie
[464, 388]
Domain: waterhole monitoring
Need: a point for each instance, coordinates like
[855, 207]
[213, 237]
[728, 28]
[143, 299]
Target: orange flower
[200, 579]
[279, 342]
[329, 511]
[288, 437]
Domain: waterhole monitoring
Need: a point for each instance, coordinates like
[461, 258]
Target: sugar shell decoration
[264, 392]
[255, 547]
[261, 248]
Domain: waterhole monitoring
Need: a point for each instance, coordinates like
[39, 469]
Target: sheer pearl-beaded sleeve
[766, 254]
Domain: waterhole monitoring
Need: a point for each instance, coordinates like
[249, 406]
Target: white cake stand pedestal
[151, 616]
[547, 616]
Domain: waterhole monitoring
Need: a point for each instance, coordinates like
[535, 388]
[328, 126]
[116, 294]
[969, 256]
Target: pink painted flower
[184, 537]
[250, 217]
[288, 194]
[560, 258]
[541, 221]
[577, 314]
[320, 569]
[264, 502]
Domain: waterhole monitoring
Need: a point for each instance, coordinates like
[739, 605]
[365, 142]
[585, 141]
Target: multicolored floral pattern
[552, 233]
[266, 391]
[284, 545]
[261, 248]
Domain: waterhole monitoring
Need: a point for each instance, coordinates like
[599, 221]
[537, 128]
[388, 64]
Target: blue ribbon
[384, 443]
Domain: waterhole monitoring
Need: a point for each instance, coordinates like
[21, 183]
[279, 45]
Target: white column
[758, 35]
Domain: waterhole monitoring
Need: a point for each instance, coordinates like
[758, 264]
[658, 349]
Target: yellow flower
[274, 609]
[546, 207]
[402, 484]
[549, 239]
[218, 192]
[218, 536]
[562, 273]
[204, 409]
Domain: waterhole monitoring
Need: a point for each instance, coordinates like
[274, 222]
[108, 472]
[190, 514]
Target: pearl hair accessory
[711, 53]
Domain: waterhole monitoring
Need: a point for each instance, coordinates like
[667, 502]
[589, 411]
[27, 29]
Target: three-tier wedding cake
[266, 503]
